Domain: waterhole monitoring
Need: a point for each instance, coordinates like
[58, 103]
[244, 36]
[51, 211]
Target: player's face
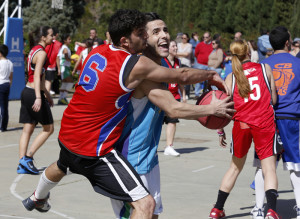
[68, 41]
[138, 40]
[158, 38]
[173, 48]
[49, 37]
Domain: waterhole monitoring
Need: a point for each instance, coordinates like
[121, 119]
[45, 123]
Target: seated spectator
[295, 47]
[215, 58]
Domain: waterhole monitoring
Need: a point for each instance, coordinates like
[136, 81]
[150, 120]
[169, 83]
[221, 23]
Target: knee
[146, 206]
[49, 129]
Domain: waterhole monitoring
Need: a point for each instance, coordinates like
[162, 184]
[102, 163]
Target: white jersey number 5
[252, 87]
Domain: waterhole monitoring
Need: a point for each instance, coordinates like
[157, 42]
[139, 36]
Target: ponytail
[36, 35]
[239, 52]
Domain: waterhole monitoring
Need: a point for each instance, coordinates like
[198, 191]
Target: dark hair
[194, 34]
[152, 16]
[187, 35]
[64, 37]
[89, 43]
[216, 36]
[36, 35]
[253, 44]
[124, 22]
[55, 31]
[93, 29]
[264, 31]
[218, 43]
[278, 37]
[4, 50]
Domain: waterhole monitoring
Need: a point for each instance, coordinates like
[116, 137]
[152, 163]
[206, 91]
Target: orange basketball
[212, 122]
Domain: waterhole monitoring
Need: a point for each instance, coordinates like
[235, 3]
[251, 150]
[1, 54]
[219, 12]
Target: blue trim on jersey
[108, 127]
[140, 138]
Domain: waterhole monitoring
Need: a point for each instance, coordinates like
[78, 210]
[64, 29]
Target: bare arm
[272, 83]
[38, 60]
[10, 78]
[65, 52]
[228, 82]
[80, 44]
[77, 63]
[147, 69]
[58, 65]
[183, 93]
[163, 98]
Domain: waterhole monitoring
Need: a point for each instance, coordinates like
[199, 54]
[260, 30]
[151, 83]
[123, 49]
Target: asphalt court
[189, 183]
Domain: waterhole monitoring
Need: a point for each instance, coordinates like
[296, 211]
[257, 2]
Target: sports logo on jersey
[283, 76]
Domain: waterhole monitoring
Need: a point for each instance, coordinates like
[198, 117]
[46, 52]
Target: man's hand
[222, 108]
[219, 83]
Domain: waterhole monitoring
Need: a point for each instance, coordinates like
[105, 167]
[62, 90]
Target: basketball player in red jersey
[95, 117]
[34, 106]
[254, 92]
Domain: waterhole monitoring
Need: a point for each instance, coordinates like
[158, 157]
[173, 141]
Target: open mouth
[163, 45]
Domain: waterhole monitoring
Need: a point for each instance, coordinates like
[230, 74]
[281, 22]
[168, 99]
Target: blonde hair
[239, 50]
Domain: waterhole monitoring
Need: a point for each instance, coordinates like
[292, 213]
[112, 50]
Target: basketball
[212, 122]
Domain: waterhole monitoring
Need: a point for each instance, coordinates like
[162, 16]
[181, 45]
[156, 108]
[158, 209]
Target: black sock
[271, 196]
[222, 196]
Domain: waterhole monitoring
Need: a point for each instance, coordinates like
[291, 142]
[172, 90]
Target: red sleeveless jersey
[94, 118]
[257, 109]
[52, 51]
[30, 66]
[173, 87]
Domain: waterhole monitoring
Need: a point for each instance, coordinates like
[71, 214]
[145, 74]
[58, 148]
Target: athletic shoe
[40, 205]
[62, 102]
[27, 163]
[216, 213]
[66, 100]
[272, 215]
[257, 213]
[169, 150]
[298, 211]
[22, 170]
[252, 186]
[52, 92]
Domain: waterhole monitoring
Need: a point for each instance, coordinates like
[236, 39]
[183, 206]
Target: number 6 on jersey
[89, 77]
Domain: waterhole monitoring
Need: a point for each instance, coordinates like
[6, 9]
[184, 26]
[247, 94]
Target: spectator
[52, 51]
[83, 54]
[253, 51]
[263, 45]
[238, 36]
[215, 58]
[217, 37]
[194, 41]
[295, 47]
[93, 36]
[202, 51]
[6, 74]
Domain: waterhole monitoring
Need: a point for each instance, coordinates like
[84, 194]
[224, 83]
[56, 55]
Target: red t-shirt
[202, 52]
[52, 51]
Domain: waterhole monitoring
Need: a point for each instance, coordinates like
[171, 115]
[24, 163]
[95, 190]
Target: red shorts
[243, 134]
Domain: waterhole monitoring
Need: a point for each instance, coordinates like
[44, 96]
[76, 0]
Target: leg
[232, 173]
[269, 171]
[143, 208]
[295, 180]
[25, 137]
[40, 139]
[171, 129]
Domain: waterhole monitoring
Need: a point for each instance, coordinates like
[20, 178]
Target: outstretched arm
[147, 69]
[163, 98]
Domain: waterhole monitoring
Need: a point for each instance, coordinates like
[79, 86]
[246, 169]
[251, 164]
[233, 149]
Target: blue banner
[14, 41]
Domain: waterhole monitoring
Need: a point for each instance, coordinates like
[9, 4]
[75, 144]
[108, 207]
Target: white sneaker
[169, 150]
[298, 211]
[52, 92]
[257, 213]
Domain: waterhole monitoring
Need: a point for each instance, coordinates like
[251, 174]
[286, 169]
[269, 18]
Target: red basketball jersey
[94, 118]
[256, 109]
[30, 66]
[173, 87]
[52, 51]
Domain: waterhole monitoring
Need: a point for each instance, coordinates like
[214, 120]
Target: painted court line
[6, 216]
[13, 145]
[204, 168]
[14, 193]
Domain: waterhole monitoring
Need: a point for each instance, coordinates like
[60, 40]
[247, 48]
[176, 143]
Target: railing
[5, 7]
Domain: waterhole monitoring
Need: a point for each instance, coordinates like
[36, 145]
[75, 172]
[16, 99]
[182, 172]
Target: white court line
[205, 168]
[13, 145]
[2, 215]
[13, 191]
